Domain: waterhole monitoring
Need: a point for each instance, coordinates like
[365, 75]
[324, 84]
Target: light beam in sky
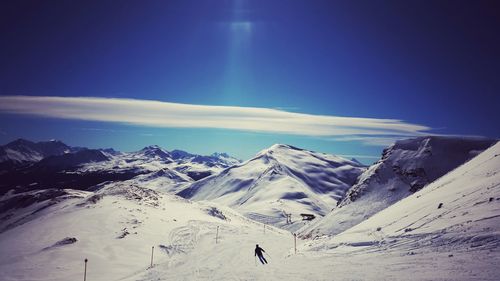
[239, 30]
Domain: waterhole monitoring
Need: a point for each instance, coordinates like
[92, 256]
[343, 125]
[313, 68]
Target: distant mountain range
[23, 151]
[278, 182]
[26, 165]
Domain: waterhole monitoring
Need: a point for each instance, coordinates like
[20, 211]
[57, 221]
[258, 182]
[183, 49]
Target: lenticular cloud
[176, 115]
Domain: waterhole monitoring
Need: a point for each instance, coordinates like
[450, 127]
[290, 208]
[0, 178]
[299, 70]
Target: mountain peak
[180, 154]
[220, 155]
[277, 147]
[73, 159]
[356, 161]
[21, 150]
[155, 151]
[152, 147]
[20, 142]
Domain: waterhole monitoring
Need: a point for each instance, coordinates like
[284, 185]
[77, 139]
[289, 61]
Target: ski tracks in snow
[192, 254]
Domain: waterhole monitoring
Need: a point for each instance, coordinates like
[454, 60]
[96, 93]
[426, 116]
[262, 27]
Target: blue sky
[431, 64]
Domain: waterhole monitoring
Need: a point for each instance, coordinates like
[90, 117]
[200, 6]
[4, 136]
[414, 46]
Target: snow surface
[46, 234]
[457, 215]
[281, 179]
[405, 167]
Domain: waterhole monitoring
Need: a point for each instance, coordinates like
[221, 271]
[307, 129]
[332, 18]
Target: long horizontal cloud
[380, 140]
[166, 114]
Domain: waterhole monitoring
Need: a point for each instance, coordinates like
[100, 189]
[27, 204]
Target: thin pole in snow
[295, 242]
[217, 235]
[152, 250]
[85, 272]
[264, 228]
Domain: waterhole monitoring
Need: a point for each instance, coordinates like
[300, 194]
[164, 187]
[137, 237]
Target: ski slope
[115, 229]
[457, 215]
[46, 234]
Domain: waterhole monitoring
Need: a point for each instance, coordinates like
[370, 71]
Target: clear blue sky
[432, 63]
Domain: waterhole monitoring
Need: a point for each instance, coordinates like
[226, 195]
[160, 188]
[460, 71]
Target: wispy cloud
[374, 140]
[166, 114]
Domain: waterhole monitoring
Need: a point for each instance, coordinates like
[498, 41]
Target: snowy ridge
[53, 164]
[198, 166]
[460, 211]
[404, 168]
[280, 179]
[24, 151]
[72, 160]
[153, 158]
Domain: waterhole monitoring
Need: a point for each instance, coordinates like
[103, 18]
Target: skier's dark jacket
[258, 251]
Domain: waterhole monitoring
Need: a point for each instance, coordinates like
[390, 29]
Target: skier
[258, 252]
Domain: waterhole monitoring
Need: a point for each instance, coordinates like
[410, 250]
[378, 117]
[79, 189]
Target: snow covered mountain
[458, 212]
[198, 166]
[23, 151]
[278, 180]
[45, 165]
[71, 160]
[216, 158]
[448, 230]
[153, 152]
[405, 167]
[151, 159]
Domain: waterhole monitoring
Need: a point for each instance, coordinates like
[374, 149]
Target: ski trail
[192, 254]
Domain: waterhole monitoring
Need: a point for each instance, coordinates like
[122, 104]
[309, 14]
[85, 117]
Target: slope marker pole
[217, 235]
[295, 242]
[152, 250]
[85, 272]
